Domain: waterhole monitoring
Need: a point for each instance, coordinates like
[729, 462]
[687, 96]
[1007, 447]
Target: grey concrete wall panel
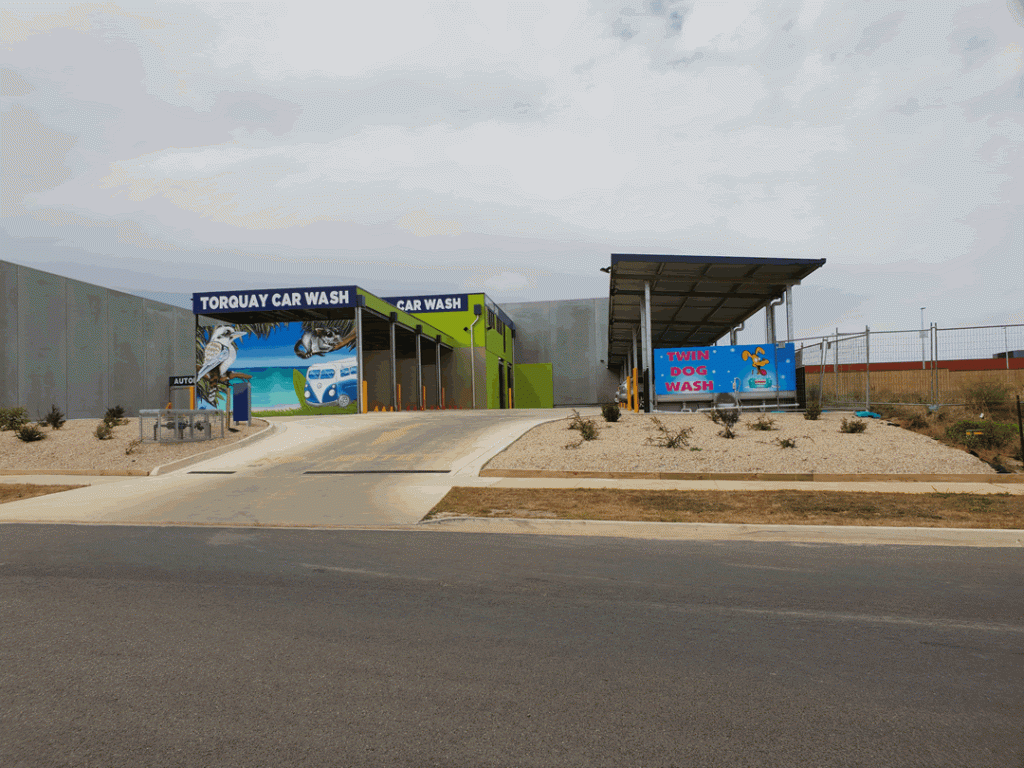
[159, 363]
[88, 350]
[184, 343]
[126, 321]
[9, 394]
[42, 341]
[572, 336]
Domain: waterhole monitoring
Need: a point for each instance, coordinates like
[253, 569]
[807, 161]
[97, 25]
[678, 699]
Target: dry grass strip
[930, 510]
[18, 491]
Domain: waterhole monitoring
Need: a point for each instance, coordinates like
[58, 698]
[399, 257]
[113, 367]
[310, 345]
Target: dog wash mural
[291, 367]
[694, 373]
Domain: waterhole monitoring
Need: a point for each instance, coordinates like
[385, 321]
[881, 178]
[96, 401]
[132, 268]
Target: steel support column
[419, 366]
[360, 400]
[394, 364]
[650, 399]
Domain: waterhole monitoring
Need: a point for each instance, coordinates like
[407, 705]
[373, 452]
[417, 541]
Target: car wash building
[341, 349]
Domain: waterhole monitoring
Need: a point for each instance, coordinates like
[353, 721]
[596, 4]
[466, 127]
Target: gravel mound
[820, 448]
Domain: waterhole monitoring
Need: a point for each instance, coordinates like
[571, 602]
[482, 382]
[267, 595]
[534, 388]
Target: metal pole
[789, 313]
[419, 369]
[922, 336]
[360, 404]
[652, 399]
[394, 368]
[867, 368]
[835, 367]
[437, 359]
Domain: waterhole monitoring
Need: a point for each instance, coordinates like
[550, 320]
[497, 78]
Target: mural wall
[700, 372]
[301, 367]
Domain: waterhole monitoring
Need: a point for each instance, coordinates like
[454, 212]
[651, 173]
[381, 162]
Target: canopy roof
[695, 300]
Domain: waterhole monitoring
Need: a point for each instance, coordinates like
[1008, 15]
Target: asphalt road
[152, 646]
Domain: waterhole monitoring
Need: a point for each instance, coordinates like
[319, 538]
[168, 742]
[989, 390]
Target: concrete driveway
[356, 470]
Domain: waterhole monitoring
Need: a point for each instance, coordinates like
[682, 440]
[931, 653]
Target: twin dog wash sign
[699, 372]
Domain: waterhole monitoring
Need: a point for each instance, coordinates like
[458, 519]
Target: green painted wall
[534, 386]
[497, 344]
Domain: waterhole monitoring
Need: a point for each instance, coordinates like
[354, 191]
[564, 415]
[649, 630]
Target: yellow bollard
[636, 393]
[398, 405]
[442, 397]
[508, 403]
[423, 402]
[365, 404]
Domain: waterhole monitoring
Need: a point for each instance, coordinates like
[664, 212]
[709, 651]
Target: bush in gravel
[29, 433]
[610, 411]
[763, 424]
[55, 418]
[853, 426]
[915, 421]
[813, 410]
[104, 431]
[727, 418]
[12, 418]
[587, 428]
[786, 442]
[666, 438]
[115, 416]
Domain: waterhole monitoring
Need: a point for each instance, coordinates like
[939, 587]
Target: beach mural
[308, 366]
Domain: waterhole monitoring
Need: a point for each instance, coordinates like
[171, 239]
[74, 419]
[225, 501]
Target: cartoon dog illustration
[759, 378]
[320, 341]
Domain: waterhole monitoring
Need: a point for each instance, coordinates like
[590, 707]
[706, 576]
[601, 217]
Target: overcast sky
[511, 147]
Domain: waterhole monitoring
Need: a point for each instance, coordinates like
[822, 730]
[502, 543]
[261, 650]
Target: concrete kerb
[800, 534]
[752, 476]
[188, 461]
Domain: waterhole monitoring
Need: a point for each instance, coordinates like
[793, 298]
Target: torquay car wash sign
[290, 298]
[693, 373]
[456, 302]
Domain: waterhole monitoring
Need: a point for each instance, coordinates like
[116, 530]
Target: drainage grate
[212, 472]
[377, 472]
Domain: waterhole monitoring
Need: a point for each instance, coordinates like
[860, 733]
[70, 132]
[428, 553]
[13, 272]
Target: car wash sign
[268, 300]
[455, 302]
[695, 373]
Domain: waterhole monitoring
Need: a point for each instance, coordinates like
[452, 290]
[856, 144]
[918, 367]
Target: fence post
[935, 363]
[867, 368]
[835, 367]
[821, 371]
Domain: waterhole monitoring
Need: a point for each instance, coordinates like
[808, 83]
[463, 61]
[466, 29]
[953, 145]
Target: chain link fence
[933, 366]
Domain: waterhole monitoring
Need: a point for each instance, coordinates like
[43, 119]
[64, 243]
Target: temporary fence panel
[934, 366]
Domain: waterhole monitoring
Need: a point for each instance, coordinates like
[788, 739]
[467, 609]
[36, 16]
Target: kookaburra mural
[220, 352]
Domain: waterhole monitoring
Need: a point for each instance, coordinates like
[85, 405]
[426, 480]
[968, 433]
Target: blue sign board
[453, 302]
[693, 373]
[241, 399]
[277, 298]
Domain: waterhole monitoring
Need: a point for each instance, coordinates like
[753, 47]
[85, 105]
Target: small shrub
[786, 442]
[853, 426]
[993, 434]
[915, 421]
[104, 431]
[115, 416]
[763, 424]
[130, 449]
[610, 412]
[55, 418]
[29, 433]
[813, 410]
[666, 438]
[727, 419]
[12, 418]
[587, 428]
[988, 396]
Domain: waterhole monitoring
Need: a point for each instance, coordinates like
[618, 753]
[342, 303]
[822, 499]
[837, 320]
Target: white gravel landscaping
[820, 448]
